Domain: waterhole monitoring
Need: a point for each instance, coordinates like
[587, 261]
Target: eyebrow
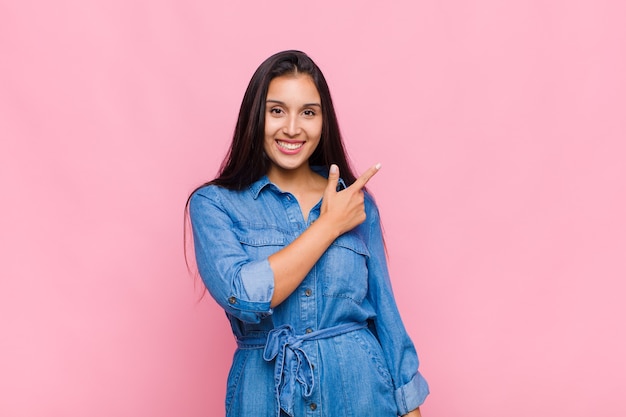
[282, 103]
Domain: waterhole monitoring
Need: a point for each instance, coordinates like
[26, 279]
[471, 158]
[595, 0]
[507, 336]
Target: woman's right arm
[340, 212]
[242, 286]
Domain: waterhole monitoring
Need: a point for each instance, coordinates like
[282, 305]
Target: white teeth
[290, 146]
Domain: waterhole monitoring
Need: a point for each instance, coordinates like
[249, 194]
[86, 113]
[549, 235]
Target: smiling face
[293, 122]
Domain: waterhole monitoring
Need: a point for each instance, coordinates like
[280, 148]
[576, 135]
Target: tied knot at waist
[292, 363]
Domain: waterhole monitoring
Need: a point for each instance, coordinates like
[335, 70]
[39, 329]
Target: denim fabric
[371, 370]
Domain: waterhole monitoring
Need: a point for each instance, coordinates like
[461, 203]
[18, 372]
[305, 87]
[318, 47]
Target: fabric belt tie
[292, 363]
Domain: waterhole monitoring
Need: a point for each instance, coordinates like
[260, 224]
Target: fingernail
[333, 169]
[378, 165]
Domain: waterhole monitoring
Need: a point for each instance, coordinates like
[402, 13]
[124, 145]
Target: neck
[292, 179]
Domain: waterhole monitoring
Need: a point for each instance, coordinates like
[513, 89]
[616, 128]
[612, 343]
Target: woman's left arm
[410, 388]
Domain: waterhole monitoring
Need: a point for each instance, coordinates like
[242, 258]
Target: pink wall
[501, 127]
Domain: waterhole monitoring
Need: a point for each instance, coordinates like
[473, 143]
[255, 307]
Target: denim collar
[263, 182]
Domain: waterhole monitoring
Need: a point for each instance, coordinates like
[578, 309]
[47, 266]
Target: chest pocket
[258, 241]
[346, 272]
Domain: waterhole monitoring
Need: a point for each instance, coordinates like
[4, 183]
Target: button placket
[308, 317]
[292, 209]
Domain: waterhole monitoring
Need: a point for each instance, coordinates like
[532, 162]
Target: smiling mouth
[290, 146]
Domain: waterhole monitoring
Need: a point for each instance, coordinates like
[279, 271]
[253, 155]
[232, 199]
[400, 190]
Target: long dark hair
[246, 161]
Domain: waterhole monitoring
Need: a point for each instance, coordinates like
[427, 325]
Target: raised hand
[340, 212]
[345, 208]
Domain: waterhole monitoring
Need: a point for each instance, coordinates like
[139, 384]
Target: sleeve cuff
[411, 395]
[252, 298]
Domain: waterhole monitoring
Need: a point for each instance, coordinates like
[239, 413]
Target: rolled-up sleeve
[411, 388]
[412, 394]
[243, 287]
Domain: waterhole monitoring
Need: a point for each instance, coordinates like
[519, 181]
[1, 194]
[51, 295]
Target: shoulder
[203, 199]
[214, 204]
[206, 193]
[371, 208]
[218, 193]
[214, 196]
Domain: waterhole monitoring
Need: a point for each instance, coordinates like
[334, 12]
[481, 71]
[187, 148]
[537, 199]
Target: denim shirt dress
[336, 347]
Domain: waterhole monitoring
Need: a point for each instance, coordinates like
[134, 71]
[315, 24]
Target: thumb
[333, 178]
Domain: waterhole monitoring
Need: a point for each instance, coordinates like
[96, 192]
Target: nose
[292, 126]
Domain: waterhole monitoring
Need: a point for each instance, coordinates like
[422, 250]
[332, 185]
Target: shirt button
[308, 292]
[313, 406]
[309, 330]
[232, 300]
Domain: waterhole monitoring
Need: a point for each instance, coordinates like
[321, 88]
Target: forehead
[293, 88]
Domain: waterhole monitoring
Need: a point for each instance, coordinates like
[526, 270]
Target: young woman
[289, 243]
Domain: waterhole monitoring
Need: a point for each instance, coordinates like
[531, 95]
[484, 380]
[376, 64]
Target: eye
[309, 113]
[276, 110]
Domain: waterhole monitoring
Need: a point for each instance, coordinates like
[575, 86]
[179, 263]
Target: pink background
[501, 127]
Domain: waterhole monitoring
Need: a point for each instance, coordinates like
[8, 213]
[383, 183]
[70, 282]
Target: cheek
[271, 126]
[267, 144]
[314, 128]
[319, 131]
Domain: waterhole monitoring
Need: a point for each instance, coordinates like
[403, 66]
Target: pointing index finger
[366, 176]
